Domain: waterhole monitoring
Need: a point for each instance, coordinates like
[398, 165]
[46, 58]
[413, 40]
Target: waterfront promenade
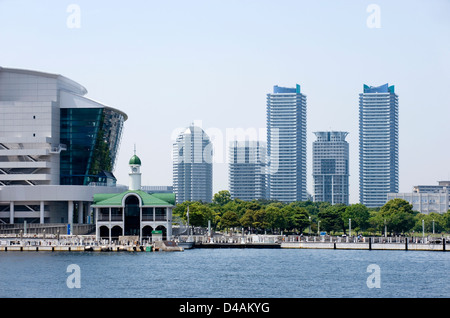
[369, 243]
[322, 242]
[78, 243]
[88, 243]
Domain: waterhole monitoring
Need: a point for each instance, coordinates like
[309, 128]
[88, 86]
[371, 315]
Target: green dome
[135, 160]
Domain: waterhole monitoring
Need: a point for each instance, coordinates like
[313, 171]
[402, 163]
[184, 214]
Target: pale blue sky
[169, 63]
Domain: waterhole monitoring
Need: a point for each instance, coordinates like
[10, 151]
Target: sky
[169, 63]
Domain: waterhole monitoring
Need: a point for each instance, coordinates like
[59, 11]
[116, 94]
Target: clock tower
[135, 173]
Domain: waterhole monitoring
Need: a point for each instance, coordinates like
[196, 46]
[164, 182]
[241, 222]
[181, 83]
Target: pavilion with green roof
[134, 213]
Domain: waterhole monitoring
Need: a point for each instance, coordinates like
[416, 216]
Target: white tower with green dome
[135, 173]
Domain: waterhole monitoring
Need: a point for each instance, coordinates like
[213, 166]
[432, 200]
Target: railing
[103, 217]
[265, 238]
[54, 228]
[363, 239]
[58, 149]
[117, 218]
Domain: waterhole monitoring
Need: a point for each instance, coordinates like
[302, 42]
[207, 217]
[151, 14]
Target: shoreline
[175, 247]
[87, 243]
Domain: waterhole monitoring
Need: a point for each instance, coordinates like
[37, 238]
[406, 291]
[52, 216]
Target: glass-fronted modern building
[330, 155]
[192, 166]
[286, 144]
[378, 144]
[54, 141]
[247, 170]
[92, 138]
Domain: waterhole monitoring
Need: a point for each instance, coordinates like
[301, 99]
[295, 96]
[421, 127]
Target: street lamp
[309, 232]
[433, 226]
[349, 227]
[318, 228]
[423, 229]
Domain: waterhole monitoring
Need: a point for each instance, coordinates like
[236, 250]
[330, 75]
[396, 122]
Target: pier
[87, 243]
[368, 243]
[321, 242]
[78, 243]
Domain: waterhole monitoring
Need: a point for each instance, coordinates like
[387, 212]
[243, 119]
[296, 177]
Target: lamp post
[433, 226]
[423, 229]
[349, 227]
[318, 228]
[385, 228]
[309, 232]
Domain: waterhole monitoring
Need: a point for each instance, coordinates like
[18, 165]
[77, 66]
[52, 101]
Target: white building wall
[424, 202]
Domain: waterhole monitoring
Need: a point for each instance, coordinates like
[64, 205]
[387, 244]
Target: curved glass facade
[92, 137]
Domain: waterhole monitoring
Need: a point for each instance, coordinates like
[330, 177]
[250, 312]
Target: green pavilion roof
[135, 160]
[115, 199]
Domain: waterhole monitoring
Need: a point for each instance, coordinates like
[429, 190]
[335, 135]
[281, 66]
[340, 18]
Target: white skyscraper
[286, 144]
[378, 144]
[192, 166]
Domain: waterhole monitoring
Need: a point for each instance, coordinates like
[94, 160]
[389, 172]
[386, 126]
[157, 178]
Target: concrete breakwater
[89, 248]
[370, 243]
[322, 242]
[88, 243]
[81, 244]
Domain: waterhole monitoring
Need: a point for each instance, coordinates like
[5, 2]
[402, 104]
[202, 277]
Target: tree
[222, 197]
[429, 219]
[199, 213]
[296, 217]
[446, 221]
[359, 215]
[374, 224]
[275, 218]
[248, 219]
[331, 218]
[260, 222]
[398, 216]
[229, 220]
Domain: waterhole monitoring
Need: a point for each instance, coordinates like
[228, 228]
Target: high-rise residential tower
[286, 144]
[378, 144]
[246, 173]
[192, 166]
[331, 167]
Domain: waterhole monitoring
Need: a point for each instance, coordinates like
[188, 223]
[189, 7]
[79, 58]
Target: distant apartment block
[246, 173]
[378, 144]
[331, 167]
[427, 198]
[286, 144]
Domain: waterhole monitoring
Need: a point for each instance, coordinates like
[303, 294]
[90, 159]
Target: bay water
[226, 273]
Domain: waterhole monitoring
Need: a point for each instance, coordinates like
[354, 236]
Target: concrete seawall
[87, 248]
[365, 246]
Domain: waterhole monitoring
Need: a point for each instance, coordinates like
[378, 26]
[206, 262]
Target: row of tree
[259, 216]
